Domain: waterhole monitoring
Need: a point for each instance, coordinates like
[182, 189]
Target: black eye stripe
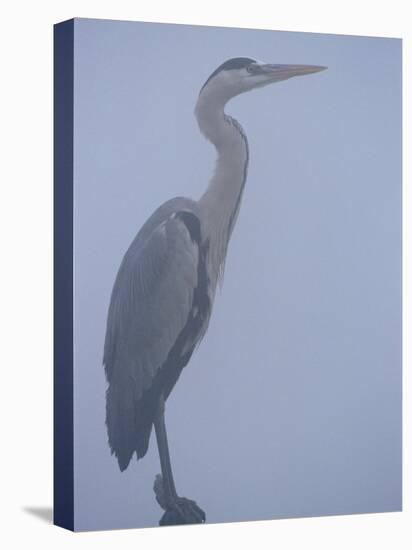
[230, 64]
[235, 63]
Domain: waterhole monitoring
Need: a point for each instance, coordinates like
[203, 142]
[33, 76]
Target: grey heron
[164, 291]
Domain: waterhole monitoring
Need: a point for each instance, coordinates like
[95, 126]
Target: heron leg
[161, 436]
[178, 510]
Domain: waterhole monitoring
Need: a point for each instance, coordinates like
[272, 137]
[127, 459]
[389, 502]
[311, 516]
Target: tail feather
[128, 432]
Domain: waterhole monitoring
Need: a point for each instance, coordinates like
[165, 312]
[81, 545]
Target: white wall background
[26, 285]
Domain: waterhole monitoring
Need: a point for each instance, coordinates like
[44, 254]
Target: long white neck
[219, 205]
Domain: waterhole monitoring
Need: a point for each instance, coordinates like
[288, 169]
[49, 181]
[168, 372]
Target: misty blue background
[292, 404]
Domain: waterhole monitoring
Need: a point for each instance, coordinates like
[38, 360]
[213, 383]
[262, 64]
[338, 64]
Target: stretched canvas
[227, 274]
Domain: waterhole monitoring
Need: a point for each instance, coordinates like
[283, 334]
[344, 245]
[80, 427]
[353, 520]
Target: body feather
[159, 310]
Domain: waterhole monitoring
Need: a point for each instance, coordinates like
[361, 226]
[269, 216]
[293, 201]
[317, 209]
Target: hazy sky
[292, 404]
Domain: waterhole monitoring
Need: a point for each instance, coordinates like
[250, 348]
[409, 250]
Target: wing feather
[150, 303]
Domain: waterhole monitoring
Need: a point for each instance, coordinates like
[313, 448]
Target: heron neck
[220, 203]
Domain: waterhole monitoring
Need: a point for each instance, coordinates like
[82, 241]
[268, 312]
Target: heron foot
[178, 510]
[182, 511]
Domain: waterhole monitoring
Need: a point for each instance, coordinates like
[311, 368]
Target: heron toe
[183, 511]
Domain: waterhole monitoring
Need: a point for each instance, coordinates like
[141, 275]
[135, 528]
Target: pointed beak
[282, 72]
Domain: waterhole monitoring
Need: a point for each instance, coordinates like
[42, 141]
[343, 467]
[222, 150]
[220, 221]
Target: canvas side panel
[63, 275]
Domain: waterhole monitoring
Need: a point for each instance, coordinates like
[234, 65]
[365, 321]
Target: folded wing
[150, 305]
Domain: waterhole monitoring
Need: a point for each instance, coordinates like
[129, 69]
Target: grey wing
[150, 303]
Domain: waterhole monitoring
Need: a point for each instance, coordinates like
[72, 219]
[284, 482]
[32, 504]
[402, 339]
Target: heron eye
[251, 68]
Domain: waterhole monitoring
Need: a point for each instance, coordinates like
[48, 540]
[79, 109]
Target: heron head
[241, 74]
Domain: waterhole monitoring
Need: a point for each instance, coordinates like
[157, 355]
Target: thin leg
[161, 437]
[178, 510]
